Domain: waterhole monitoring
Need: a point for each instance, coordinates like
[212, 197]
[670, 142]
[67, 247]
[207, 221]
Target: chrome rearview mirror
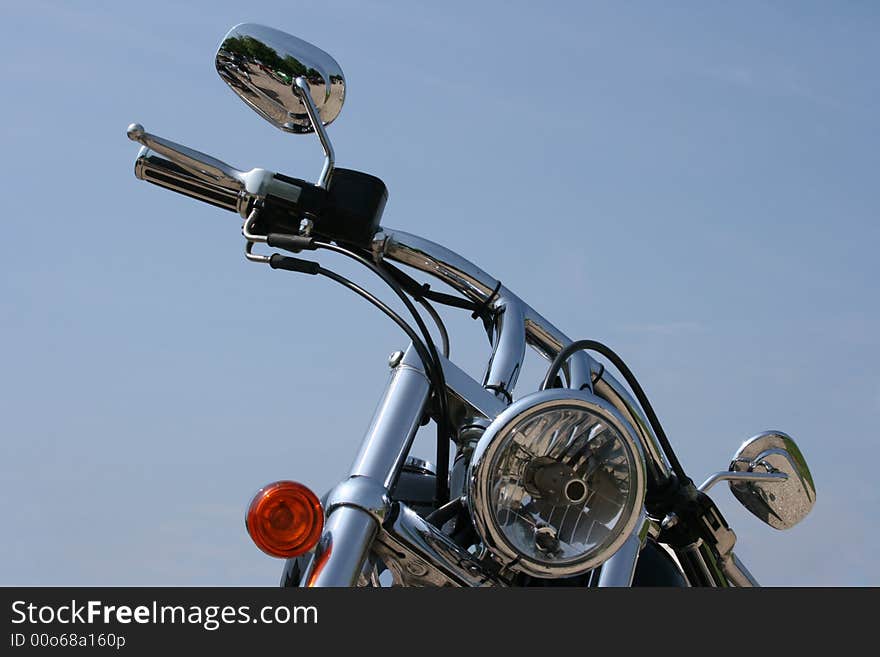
[261, 65]
[770, 477]
[781, 504]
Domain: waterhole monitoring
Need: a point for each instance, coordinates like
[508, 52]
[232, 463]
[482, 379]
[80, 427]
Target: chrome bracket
[742, 476]
[418, 554]
[253, 238]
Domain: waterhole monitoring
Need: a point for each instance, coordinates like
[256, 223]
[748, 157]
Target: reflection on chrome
[556, 484]
[566, 483]
[260, 64]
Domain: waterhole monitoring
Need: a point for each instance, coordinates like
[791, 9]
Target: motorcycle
[573, 484]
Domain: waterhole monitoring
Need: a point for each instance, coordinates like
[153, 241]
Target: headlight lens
[556, 483]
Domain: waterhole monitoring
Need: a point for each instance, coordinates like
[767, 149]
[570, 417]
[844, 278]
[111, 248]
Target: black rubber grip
[278, 261]
[292, 243]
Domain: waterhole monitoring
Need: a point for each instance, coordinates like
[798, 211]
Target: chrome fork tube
[343, 548]
[356, 506]
[398, 416]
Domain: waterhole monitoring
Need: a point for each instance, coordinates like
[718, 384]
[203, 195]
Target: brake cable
[433, 366]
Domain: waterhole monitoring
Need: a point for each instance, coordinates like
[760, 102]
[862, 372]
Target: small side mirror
[782, 502]
[260, 64]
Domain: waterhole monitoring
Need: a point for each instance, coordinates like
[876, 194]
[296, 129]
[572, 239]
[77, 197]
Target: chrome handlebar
[352, 527]
[516, 324]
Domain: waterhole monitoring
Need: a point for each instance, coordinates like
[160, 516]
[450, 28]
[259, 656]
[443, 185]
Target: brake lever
[201, 165]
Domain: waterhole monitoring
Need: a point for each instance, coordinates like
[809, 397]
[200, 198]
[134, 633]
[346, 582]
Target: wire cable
[433, 364]
[444, 336]
[381, 305]
[617, 361]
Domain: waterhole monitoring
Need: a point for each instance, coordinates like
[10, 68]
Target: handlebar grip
[201, 165]
[347, 211]
[161, 171]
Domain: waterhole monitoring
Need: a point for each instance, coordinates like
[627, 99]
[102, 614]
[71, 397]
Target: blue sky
[694, 184]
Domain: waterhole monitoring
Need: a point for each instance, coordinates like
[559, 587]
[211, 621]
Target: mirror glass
[781, 504]
[260, 65]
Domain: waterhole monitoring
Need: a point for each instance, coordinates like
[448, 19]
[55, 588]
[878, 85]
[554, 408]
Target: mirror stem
[741, 476]
[301, 87]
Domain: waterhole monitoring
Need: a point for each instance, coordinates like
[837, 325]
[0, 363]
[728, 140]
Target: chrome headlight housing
[556, 483]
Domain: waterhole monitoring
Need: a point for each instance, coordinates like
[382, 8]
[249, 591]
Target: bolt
[394, 359]
[669, 521]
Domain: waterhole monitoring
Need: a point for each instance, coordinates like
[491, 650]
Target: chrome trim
[353, 520]
[342, 551]
[248, 226]
[781, 505]
[362, 493]
[398, 416]
[548, 341]
[478, 286]
[394, 359]
[253, 238]
[383, 453]
[255, 257]
[436, 260]
[767, 477]
[264, 81]
[418, 554]
[479, 492]
[540, 334]
[414, 463]
[467, 398]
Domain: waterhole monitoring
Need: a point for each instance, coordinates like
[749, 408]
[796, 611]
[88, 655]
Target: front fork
[361, 517]
[356, 507]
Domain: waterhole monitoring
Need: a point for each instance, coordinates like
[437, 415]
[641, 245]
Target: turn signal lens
[285, 519]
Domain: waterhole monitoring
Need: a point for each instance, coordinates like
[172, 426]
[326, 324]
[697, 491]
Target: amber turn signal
[285, 519]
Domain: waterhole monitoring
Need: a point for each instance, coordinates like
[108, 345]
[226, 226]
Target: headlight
[556, 483]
